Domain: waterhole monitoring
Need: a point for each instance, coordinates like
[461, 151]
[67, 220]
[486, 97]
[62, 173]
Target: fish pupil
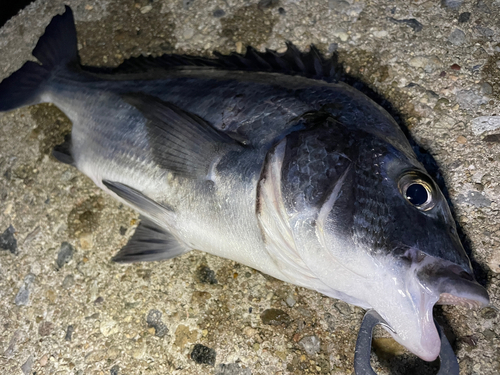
[417, 194]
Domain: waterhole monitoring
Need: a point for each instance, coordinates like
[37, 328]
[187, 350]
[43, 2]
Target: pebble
[188, 33]
[65, 254]
[484, 124]
[486, 88]
[470, 99]
[23, 295]
[452, 4]
[8, 241]
[274, 317]
[146, 9]
[114, 370]
[218, 13]
[68, 282]
[202, 354]
[11, 349]
[232, 369]
[69, 333]
[108, 327]
[154, 320]
[455, 67]
[461, 139]
[411, 22]
[474, 198]
[457, 37]
[464, 17]
[205, 275]
[26, 367]
[343, 308]
[341, 34]
[290, 301]
[311, 344]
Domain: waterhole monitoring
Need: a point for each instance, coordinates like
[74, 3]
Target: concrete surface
[69, 310]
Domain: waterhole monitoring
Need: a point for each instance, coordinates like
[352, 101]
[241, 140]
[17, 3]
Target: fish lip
[455, 285]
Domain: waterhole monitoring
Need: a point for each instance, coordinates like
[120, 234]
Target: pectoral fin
[181, 141]
[150, 243]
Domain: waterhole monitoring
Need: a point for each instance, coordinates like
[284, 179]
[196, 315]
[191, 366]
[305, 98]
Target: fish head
[375, 229]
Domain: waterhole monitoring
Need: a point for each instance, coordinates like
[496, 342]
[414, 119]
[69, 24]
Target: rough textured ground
[66, 309]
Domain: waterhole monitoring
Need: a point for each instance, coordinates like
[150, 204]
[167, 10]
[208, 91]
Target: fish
[267, 159]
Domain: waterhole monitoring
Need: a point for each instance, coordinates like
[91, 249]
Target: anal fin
[150, 243]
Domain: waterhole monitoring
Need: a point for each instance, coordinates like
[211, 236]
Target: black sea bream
[308, 181]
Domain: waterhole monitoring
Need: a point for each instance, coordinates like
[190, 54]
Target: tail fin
[56, 47]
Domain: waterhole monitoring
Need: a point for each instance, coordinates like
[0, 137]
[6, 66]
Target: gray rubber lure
[362, 366]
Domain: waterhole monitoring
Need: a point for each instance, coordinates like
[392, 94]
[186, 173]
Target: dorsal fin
[308, 64]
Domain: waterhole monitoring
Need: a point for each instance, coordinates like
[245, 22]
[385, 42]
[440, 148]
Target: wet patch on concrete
[52, 126]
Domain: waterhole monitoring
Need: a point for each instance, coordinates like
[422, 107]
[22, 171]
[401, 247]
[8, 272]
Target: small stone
[114, 370]
[69, 333]
[98, 301]
[123, 231]
[411, 22]
[44, 360]
[380, 33]
[108, 327]
[311, 344]
[274, 317]
[343, 308]
[464, 17]
[474, 198]
[154, 320]
[23, 296]
[188, 33]
[452, 4]
[11, 349]
[486, 88]
[65, 254]
[205, 275]
[68, 282]
[8, 241]
[341, 34]
[290, 301]
[461, 139]
[484, 124]
[232, 369]
[139, 351]
[249, 331]
[218, 13]
[146, 9]
[455, 67]
[457, 37]
[26, 367]
[45, 328]
[184, 336]
[86, 240]
[203, 355]
[281, 11]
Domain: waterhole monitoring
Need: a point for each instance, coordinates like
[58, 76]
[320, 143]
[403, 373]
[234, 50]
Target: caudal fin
[57, 47]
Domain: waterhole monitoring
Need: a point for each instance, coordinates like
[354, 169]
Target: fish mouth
[428, 282]
[455, 285]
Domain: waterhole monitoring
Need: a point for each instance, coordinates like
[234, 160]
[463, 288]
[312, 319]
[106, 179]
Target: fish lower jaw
[450, 299]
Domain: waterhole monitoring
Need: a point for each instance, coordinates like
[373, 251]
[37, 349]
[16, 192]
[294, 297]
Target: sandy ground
[438, 65]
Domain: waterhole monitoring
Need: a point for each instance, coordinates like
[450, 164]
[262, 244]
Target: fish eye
[417, 191]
